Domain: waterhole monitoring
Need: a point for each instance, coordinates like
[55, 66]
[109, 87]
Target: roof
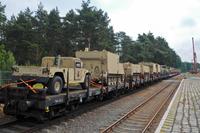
[66, 58]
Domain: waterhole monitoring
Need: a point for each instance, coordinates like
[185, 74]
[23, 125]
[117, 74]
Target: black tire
[55, 85]
[85, 85]
[51, 115]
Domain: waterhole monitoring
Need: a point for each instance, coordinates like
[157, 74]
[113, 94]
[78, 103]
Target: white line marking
[168, 109]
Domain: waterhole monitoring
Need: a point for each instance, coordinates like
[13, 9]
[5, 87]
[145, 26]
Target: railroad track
[17, 127]
[140, 118]
[6, 119]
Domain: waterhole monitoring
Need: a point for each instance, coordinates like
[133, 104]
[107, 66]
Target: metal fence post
[67, 92]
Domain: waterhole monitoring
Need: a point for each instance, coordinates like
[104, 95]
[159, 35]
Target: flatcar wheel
[20, 117]
[74, 106]
[41, 119]
[100, 97]
[86, 82]
[5, 109]
[51, 115]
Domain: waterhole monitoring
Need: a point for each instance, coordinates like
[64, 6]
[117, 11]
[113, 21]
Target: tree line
[30, 35]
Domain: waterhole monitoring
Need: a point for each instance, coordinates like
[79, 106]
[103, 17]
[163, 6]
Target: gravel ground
[99, 118]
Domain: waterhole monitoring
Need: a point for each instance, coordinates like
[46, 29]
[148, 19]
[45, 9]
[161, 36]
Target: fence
[5, 77]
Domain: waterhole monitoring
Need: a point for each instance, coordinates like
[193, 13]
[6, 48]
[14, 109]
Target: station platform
[183, 113]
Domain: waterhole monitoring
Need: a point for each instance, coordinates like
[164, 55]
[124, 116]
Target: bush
[7, 59]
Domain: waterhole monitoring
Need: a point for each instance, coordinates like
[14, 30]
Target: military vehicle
[164, 69]
[103, 65]
[154, 67]
[130, 68]
[141, 68]
[54, 73]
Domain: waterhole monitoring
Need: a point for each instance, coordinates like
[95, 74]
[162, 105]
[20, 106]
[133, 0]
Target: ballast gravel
[99, 118]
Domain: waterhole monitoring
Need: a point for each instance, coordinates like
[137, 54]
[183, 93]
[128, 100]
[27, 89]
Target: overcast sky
[176, 20]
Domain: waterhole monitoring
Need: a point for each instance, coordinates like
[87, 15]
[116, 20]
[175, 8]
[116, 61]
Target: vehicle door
[78, 70]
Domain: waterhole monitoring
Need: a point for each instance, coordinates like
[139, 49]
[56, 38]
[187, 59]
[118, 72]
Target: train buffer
[183, 113]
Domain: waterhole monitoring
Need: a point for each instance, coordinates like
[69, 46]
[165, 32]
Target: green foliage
[147, 48]
[54, 33]
[32, 35]
[188, 66]
[20, 36]
[93, 28]
[2, 22]
[7, 59]
[40, 24]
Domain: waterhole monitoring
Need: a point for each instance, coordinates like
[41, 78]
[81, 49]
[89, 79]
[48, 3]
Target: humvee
[54, 73]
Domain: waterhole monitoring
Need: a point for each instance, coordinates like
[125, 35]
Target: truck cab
[64, 64]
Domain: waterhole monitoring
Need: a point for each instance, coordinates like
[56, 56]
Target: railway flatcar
[137, 74]
[165, 70]
[154, 70]
[107, 78]
[174, 70]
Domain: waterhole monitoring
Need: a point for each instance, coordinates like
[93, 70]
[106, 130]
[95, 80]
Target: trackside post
[67, 92]
[88, 87]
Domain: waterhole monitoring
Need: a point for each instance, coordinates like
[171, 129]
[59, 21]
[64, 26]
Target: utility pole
[194, 58]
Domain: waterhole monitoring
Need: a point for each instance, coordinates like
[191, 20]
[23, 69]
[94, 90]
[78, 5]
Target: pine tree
[41, 26]
[54, 33]
[2, 22]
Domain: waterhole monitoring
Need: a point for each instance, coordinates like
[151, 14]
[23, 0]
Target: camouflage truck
[103, 65]
[54, 73]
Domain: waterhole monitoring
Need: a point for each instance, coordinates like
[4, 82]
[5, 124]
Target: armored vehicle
[154, 67]
[130, 68]
[54, 73]
[102, 64]
[164, 69]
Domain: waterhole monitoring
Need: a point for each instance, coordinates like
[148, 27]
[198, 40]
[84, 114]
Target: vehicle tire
[55, 85]
[51, 114]
[100, 98]
[85, 84]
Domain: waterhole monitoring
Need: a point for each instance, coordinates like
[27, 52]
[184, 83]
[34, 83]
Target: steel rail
[109, 128]
[154, 116]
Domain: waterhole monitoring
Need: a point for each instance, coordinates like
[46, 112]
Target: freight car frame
[21, 102]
